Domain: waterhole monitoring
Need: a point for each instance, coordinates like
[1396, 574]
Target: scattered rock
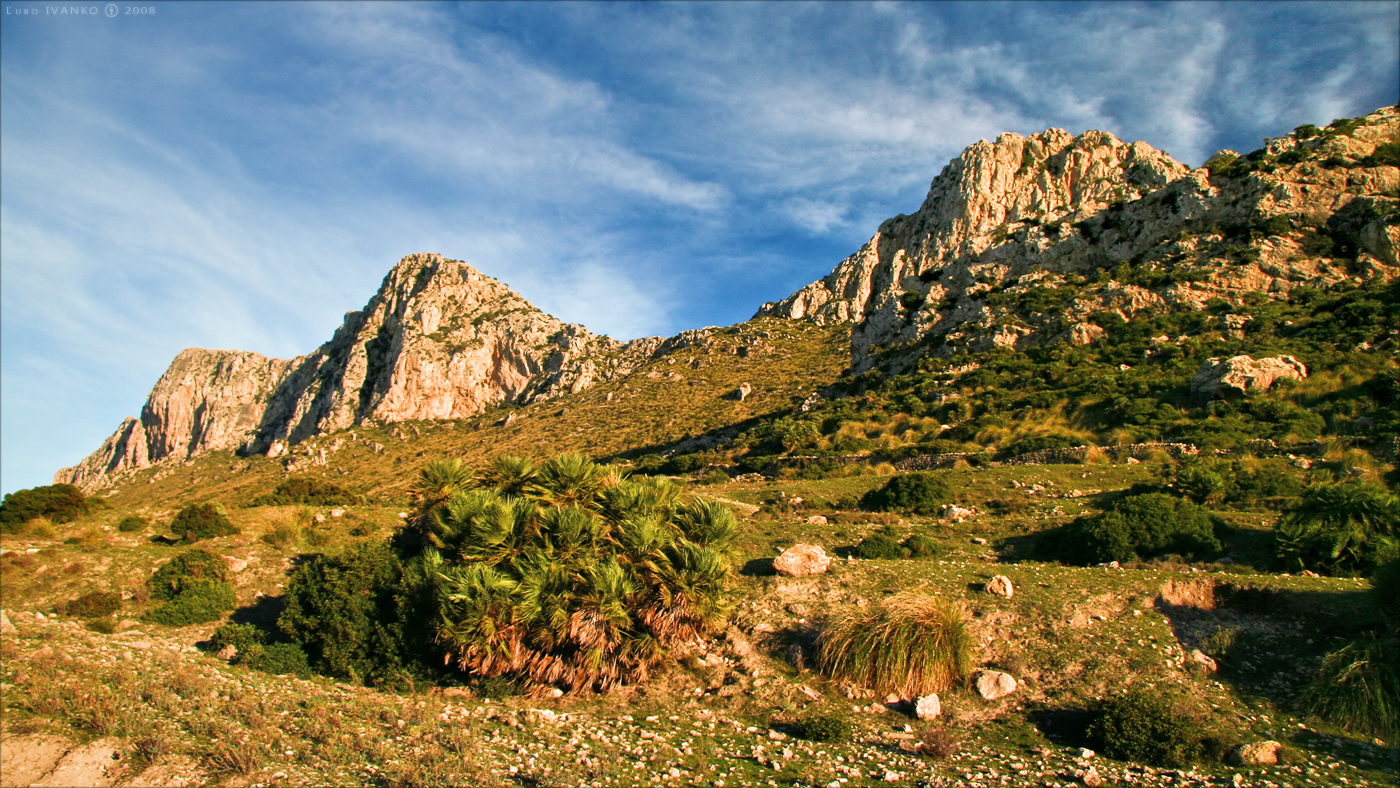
[1084, 753]
[1091, 778]
[235, 565]
[797, 609]
[979, 540]
[1001, 586]
[993, 684]
[337, 512]
[227, 653]
[956, 513]
[1201, 658]
[816, 519]
[6, 628]
[927, 707]
[1257, 754]
[801, 560]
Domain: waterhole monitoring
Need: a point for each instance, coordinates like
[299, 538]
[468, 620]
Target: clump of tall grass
[912, 646]
[1357, 687]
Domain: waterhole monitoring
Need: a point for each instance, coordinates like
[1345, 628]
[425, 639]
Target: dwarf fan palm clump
[1340, 528]
[912, 646]
[567, 574]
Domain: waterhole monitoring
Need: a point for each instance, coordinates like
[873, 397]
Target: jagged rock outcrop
[1243, 375]
[439, 340]
[1008, 247]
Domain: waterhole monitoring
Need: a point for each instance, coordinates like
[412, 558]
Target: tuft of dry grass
[913, 645]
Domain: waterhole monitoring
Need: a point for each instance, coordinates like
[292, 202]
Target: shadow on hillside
[693, 443]
[758, 567]
[262, 614]
[1065, 727]
[1266, 641]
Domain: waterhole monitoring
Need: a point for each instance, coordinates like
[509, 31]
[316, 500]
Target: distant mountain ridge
[1018, 243]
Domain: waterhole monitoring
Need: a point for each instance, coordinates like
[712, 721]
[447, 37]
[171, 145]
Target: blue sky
[239, 175]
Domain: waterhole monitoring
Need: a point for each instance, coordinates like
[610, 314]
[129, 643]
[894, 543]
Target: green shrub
[1144, 727]
[1357, 687]
[192, 587]
[309, 492]
[345, 611]
[922, 546]
[200, 601]
[201, 521]
[175, 575]
[824, 728]
[879, 546]
[92, 605]
[1387, 154]
[240, 636]
[911, 646]
[1339, 528]
[1138, 527]
[59, 503]
[132, 523]
[277, 658]
[920, 493]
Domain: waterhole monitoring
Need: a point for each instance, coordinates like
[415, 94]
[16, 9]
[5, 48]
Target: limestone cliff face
[1022, 213]
[439, 340]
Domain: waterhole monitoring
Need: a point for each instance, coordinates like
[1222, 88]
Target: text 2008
[136, 10]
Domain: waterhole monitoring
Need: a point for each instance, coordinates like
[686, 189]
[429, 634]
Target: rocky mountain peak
[438, 340]
[1045, 211]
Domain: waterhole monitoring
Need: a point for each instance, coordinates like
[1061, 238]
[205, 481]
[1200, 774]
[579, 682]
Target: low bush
[1145, 727]
[58, 503]
[920, 493]
[344, 610]
[201, 521]
[278, 659]
[937, 743]
[92, 605]
[309, 492]
[1137, 528]
[175, 575]
[1357, 687]
[192, 587]
[912, 646]
[132, 524]
[879, 546]
[824, 728]
[240, 636]
[256, 650]
[922, 546]
[201, 601]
